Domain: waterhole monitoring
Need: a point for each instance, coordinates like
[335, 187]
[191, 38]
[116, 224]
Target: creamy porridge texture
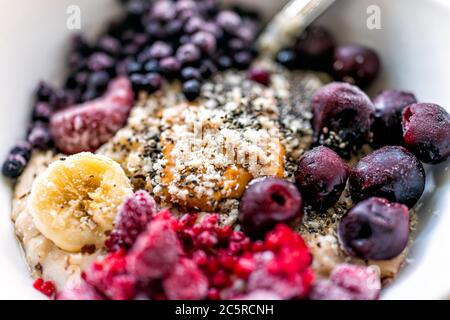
[179, 163]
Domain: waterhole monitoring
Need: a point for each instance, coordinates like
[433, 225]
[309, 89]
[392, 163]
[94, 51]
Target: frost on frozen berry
[426, 131]
[186, 282]
[87, 126]
[110, 277]
[134, 215]
[342, 117]
[348, 282]
[391, 172]
[157, 250]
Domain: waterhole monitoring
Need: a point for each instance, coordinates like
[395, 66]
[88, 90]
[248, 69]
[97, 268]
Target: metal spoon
[295, 16]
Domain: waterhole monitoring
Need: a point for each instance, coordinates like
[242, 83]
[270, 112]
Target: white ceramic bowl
[414, 47]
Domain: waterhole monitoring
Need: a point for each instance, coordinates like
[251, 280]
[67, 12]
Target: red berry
[259, 75]
[45, 287]
[87, 126]
[134, 215]
[186, 282]
[156, 251]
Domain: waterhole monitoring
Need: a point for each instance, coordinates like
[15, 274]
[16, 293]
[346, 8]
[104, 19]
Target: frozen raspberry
[45, 287]
[284, 265]
[343, 115]
[348, 282]
[426, 131]
[87, 126]
[186, 282]
[259, 75]
[81, 291]
[110, 277]
[134, 215]
[375, 229]
[269, 201]
[157, 250]
[391, 172]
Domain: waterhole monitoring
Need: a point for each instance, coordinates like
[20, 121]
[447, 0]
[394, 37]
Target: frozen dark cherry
[375, 229]
[321, 177]
[426, 131]
[387, 126]
[390, 172]
[348, 282]
[132, 219]
[315, 49]
[342, 117]
[355, 64]
[266, 202]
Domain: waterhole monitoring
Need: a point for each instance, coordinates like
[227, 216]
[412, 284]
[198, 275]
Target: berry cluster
[195, 258]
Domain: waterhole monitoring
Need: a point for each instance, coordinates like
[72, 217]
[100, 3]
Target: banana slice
[74, 202]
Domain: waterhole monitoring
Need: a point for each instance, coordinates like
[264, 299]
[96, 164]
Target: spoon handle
[295, 16]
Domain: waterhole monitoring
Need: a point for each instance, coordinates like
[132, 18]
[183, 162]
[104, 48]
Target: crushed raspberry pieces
[133, 217]
[45, 287]
[110, 277]
[195, 258]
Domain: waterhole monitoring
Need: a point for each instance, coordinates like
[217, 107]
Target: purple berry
[189, 73]
[205, 41]
[133, 217]
[375, 229]
[109, 45]
[207, 68]
[133, 67]
[163, 10]
[390, 172]
[100, 61]
[266, 202]
[159, 50]
[23, 148]
[14, 165]
[321, 177]
[387, 126]
[152, 66]
[242, 60]
[169, 67]
[99, 80]
[193, 25]
[224, 62]
[355, 64]
[40, 136]
[259, 75]
[348, 282]
[315, 49]
[188, 53]
[426, 132]
[42, 112]
[191, 89]
[154, 82]
[342, 116]
[228, 21]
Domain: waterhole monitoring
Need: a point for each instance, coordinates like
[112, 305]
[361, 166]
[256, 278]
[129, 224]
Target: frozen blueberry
[160, 50]
[189, 73]
[152, 66]
[154, 81]
[42, 112]
[40, 136]
[342, 117]
[99, 80]
[287, 58]
[375, 229]
[224, 62]
[100, 61]
[321, 177]
[205, 41]
[229, 21]
[391, 172]
[14, 165]
[163, 10]
[387, 126]
[207, 68]
[188, 53]
[266, 202]
[109, 45]
[426, 131]
[355, 64]
[191, 89]
[22, 148]
[133, 67]
[169, 67]
[315, 49]
[242, 60]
